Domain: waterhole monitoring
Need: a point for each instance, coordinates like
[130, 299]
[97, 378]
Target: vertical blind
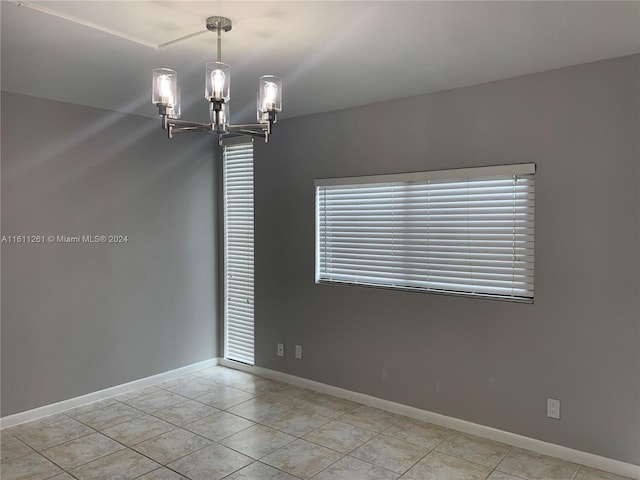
[466, 231]
[238, 252]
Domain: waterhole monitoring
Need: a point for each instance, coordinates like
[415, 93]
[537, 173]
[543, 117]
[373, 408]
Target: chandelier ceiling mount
[219, 23]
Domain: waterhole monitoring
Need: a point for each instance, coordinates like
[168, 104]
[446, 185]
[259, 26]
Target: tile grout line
[296, 404]
[343, 455]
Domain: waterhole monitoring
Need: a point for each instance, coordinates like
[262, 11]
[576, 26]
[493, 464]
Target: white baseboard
[539, 446]
[29, 415]
[565, 453]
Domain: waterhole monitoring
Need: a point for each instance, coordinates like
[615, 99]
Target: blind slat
[471, 235]
[238, 261]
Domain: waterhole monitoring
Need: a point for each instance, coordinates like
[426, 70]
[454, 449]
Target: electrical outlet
[553, 408]
[299, 352]
[280, 351]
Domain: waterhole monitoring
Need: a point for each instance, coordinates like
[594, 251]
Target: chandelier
[166, 96]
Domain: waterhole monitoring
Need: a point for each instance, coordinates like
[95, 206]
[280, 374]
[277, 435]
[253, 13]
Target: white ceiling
[330, 54]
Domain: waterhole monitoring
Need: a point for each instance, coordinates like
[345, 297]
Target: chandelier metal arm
[187, 124]
[250, 127]
[171, 130]
[174, 125]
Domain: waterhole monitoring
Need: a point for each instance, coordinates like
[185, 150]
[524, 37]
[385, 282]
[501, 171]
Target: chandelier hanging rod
[219, 24]
[166, 96]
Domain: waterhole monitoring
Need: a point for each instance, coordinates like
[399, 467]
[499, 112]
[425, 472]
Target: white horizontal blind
[238, 252]
[432, 231]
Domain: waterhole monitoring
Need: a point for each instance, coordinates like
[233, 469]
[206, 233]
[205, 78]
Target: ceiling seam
[162, 46]
[92, 25]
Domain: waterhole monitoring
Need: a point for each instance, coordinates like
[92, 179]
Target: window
[238, 252]
[466, 231]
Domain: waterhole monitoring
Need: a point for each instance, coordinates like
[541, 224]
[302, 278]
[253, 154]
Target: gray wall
[77, 318]
[490, 362]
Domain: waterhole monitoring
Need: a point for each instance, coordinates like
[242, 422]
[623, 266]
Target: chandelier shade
[217, 81]
[270, 94]
[165, 82]
[174, 112]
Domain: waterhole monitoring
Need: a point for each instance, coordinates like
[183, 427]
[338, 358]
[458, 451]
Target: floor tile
[259, 471]
[502, 476]
[156, 401]
[258, 409]
[349, 468]
[49, 431]
[438, 466]
[370, 418]
[329, 406]
[258, 385]
[586, 473]
[219, 425]
[296, 422]
[222, 375]
[281, 398]
[257, 441]
[340, 436]
[138, 392]
[179, 420]
[185, 412]
[534, 466]
[12, 448]
[122, 465]
[301, 458]
[176, 381]
[390, 453]
[49, 419]
[74, 412]
[62, 476]
[138, 429]
[162, 474]
[172, 445]
[82, 450]
[30, 467]
[420, 433]
[291, 395]
[108, 416]
[210, 463]
[195, 387]
[474, 449]
[224, 398]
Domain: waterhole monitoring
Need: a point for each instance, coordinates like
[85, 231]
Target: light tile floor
[220, 423]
